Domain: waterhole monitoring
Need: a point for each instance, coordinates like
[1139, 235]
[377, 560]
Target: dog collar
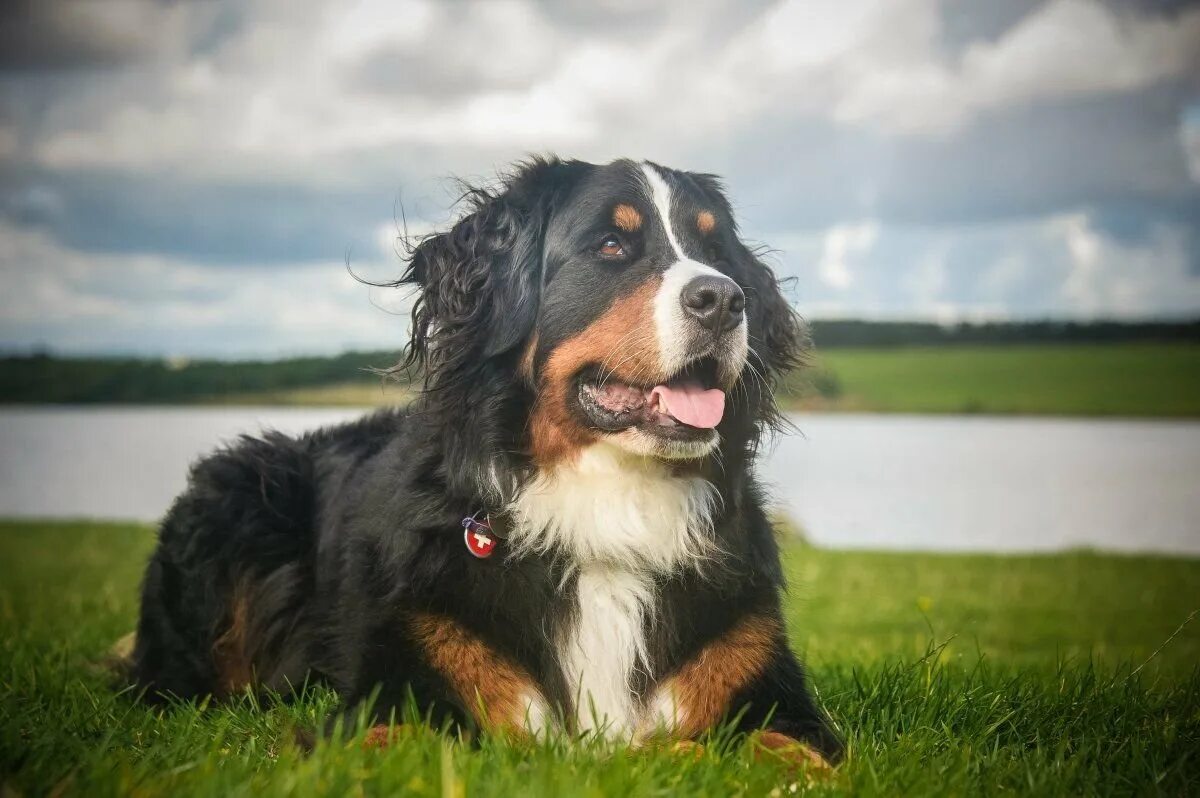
[480, 537]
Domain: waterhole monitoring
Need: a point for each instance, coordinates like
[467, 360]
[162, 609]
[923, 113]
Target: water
[995, 484]
[896, 482]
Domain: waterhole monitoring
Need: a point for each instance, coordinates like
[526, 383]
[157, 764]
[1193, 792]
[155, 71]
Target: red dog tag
[479, 538]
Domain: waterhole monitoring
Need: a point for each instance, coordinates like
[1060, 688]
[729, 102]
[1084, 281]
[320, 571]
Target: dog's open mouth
[687, 405]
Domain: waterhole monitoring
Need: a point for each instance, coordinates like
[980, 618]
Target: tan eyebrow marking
[706, 221]
[627, 218]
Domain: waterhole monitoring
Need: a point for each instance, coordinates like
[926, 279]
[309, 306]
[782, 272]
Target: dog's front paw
[383, 735]
[779, 747]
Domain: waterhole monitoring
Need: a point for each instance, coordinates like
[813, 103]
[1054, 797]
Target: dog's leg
[447, 674]
[748, 670]
[498, 693]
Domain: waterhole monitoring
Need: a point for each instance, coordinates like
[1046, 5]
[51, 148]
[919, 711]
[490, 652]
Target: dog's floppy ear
[480, 281]
[776, 332]
[776, 335]
[480, 288]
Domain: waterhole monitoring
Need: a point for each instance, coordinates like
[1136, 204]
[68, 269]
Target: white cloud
[798, 36]
[1063, 266]
[1114, 279]
[926, 283]
[285, 91]
[842, 245]
[879, 63]
[1005, 273]
[368, 25]
[92, 302]
[281, 94]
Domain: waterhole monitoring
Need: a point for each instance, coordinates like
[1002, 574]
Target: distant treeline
[46, 378]
[916, 333]
[49, 378]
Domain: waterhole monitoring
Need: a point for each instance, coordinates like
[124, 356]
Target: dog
[563, 533]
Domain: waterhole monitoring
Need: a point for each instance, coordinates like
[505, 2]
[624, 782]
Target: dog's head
[581, 303]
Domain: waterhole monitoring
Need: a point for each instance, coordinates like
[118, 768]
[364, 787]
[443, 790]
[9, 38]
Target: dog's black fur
[317, 548]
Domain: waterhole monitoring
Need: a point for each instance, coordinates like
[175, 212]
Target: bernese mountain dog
[563, 533]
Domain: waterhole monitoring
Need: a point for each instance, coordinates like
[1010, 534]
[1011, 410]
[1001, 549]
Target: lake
[950, 483]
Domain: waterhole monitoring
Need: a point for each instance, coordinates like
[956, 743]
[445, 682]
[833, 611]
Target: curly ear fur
[480, 287]
[776, 331]
[479, 280]
[777, 337]
[777, 340]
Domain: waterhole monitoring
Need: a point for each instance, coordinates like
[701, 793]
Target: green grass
[1076, 379]
[950, 674]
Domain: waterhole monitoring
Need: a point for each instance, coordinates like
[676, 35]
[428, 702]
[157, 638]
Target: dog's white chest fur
[605, 644]
[620, 520]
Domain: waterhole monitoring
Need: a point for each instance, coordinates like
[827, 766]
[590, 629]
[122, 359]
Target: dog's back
[228, 590]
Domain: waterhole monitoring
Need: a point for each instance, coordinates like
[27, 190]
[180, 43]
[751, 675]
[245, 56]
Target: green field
[1149, 379]
[1076, 379]
[950, 674]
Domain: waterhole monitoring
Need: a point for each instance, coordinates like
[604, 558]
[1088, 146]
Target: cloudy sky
[190, 178]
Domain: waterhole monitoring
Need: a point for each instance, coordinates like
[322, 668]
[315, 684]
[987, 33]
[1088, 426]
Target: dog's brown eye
[610, 247]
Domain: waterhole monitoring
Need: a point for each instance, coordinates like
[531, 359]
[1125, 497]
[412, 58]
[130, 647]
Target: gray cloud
[66, 35]
[1120, 151]
[909, 157]
[967, 22]
[75, 35]
[219, 224]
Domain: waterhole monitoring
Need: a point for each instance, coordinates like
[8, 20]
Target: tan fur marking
[234, 668]
[705, 686]
[381, 735]
[706, 221]
[490, 686]
[378, 736]
[790, 751]
[622, 340]
[627, 218]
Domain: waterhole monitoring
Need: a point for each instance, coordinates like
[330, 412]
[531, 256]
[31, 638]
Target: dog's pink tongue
[691, 404]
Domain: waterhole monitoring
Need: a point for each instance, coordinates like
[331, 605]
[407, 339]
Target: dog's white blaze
[669, 319]
[660, 195]
[621, 520]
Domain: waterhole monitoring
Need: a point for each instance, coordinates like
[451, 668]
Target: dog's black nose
[715, 301]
